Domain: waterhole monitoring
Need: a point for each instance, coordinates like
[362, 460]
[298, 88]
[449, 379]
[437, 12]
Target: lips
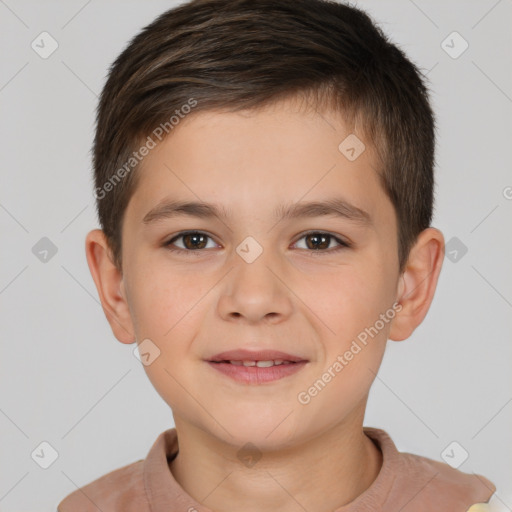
[242, 355]
[257, 367]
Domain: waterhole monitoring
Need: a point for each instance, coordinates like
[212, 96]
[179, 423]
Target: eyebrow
[336, 206]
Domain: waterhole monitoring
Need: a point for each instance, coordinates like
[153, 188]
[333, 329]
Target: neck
[322, 474]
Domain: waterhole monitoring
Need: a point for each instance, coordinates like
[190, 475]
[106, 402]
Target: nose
[255, 292]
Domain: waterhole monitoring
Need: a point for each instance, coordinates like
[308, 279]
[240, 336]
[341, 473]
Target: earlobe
[109, 283]
[418, 283]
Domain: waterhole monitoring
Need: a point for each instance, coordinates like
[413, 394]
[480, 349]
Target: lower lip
[256, 374]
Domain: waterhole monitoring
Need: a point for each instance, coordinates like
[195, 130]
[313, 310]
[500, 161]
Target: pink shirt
[406, 482]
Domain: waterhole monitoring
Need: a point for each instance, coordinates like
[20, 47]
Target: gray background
[66, 380]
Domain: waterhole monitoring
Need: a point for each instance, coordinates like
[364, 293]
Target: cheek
[166, 307]
[162, 301]
[351, 307]
[348, 297]
[351, 304]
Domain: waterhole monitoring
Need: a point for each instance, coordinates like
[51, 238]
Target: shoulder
[413, 483]
[119, 490]
[443, 484]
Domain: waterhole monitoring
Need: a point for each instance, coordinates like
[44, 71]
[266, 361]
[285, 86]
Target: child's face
[312, 303]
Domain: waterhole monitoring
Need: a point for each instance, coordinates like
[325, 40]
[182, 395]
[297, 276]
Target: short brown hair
[244, 54]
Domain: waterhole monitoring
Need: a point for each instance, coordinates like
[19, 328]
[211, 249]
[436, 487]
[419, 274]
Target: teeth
[264, 364]
[260, 364]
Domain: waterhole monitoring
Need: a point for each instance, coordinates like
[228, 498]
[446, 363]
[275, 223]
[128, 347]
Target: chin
[268, 432]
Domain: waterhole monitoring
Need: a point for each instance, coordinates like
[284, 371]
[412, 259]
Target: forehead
[255, 163]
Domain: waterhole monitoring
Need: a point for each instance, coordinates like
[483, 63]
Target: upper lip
[256, 355]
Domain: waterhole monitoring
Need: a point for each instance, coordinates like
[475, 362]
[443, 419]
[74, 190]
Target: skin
[192, 306]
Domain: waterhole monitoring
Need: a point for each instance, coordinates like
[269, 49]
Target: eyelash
[343, 244]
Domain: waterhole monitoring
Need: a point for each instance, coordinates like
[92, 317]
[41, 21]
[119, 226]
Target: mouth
[250, 356]
[259, 364]
[256, 367]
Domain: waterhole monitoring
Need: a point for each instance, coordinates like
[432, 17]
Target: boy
[264, 183]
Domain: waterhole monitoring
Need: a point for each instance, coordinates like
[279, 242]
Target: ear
[110, 286]
[417, 283]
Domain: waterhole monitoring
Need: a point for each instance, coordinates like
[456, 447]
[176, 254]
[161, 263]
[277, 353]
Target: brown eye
[320, 241]
[192, 241]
